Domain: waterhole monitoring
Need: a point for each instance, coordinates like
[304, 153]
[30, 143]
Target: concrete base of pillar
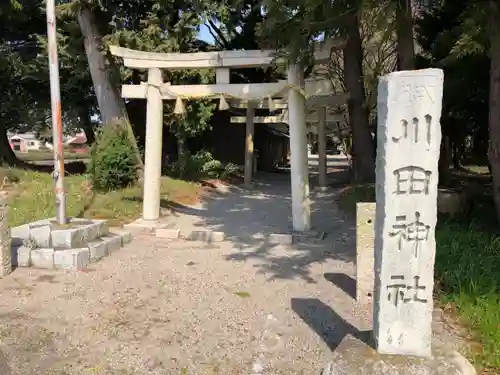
[145, 226]
[354, 357]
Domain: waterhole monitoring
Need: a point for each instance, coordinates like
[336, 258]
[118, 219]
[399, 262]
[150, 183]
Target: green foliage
[203, 165]
[467, 263]
[20, 88]
[113, 164]
[451, 38]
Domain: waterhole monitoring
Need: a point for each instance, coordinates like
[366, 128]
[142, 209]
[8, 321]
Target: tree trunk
[494, 101]
[86, 125]
[457, 156]
[181, 154]
[404, 31]
[7, 156]
[363, 163]
[445, 160]
[111, 105]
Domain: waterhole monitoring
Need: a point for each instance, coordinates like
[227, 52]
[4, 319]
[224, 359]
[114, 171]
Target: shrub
[8, 176]
[113, 164]
[201, 164]
[229, 170]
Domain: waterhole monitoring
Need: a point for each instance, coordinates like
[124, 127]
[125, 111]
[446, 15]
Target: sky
[204, 34]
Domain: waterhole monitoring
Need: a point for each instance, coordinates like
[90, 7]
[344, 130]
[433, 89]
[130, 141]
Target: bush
[201, 164]
[229, 170]
[8, 175]
[113, 164]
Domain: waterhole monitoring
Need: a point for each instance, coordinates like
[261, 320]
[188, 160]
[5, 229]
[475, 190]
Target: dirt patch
[188, 199]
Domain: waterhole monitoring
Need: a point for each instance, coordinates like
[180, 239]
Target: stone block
[102, 228]
[42, 258]
[168, 233]
[451, 202]
[40, 234]
[354, 357]
[205, 236]
[280, 239]
[143, 226]
[126, 236]
[42, 222]
[113, 242]
[98, 250]
[92, 232]
[199, 235]
[217, 236]
[88, 232]
[365, 254]
[21, 256]
[19, 234]
[72, 259]
[69, 238]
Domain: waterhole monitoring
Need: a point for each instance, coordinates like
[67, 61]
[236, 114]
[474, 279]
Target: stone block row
[47, 234]
[215, 236]
[195, 235]
[76, 258]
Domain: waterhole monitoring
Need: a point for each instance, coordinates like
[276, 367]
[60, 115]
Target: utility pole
[55, 99]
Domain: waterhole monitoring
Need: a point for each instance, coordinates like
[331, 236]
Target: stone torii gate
[318, 118]
[295, 88]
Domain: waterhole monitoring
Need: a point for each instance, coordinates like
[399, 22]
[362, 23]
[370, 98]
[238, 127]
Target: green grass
[32, 198]
[47, 156]
[467, 272]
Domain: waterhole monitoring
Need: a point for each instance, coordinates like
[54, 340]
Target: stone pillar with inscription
[5, 240]
[409, 139]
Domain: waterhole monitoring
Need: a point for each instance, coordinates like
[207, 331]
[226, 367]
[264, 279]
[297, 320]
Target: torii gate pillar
[154, 137]
[301, 210]
[322, 148]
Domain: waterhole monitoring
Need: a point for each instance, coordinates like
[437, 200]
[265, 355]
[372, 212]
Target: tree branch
[222, 39]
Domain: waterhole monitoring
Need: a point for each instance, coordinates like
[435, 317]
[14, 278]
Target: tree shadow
[344, 282]
[70, 168]
[327, 323]
[248, 216]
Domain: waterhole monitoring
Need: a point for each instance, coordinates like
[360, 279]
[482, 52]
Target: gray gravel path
[174, 307]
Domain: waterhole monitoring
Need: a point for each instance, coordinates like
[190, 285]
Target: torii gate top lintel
[217, 59]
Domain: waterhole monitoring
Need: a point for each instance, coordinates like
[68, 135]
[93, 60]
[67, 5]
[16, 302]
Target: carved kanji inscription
[414, 232]
[420, 132]
[401, 292]
[412, 180]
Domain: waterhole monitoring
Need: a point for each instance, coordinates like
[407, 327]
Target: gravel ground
[175, 307]
[162, 307]
[158, 307]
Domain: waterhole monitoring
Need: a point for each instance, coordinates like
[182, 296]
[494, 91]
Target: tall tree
[474, 35]
[494, 101]
[363, 166]
[92, 17]
[405, 35]
[296, 28]
[19, 22]
[466, 70]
